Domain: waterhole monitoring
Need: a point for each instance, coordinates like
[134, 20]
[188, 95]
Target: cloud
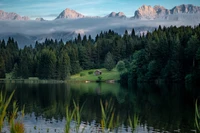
[92, 26]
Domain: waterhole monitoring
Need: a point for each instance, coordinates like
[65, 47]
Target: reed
[133, 121]
[78, 114]
[3, 107]
[108, 114]
[75, 114]
[69, 117]
[16, 126]
[197, 116]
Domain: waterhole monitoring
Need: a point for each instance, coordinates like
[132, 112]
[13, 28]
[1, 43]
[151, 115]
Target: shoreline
[53, 81]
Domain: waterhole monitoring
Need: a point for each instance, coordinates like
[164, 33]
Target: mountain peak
[39, 19]
[148, 12]
[11, 16]
[116, 15]
[143, 7]
[185, 8]
[145, 12]
[157, 7]
[69, 13]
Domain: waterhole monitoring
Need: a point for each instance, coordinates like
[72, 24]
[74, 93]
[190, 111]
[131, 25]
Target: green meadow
[88, 75]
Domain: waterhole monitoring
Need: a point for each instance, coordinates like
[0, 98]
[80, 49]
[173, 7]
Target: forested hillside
[171, 54]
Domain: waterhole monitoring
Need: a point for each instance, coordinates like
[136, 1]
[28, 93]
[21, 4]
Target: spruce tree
[109, 63]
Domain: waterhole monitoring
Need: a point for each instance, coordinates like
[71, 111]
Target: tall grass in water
[133, 121]
[3, 107]
[69, 117]
[78, 113]
[75, 114]
[16, 126]
[109, 120]
[108, 114]
[197, 116]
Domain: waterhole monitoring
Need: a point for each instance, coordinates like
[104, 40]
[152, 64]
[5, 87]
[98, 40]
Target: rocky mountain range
[28, 32]
[144, 12]
[11, 16]
[116, 15]
[149, 12]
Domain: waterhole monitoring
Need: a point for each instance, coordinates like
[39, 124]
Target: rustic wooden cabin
[97, 72]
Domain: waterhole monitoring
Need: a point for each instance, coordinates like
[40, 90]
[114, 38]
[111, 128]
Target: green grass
[8, 75]
[106, 75]
[3, 107]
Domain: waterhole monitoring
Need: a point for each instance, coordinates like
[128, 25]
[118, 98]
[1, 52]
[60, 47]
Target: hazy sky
[50, 9]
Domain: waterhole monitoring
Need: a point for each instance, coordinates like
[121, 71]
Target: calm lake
[160, 108]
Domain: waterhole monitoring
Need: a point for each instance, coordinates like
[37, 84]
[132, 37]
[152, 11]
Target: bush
[82, 74]
[188, 78]
[99, 79]
[120, 66]
[90, 72]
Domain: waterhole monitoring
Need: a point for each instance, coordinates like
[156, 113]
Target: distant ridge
[149, 12]
[116, 15]
[11, 16]
[40, 19]
[145, 12]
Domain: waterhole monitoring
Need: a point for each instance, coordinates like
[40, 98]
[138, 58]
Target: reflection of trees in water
[166, 107]
[121, 96]
[50, 100]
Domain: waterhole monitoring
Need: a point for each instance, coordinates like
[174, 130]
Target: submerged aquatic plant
[3, 107]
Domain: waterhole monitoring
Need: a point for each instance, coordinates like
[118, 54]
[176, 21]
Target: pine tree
[109, 63]
[47, 64]
[2, 68]
[63, 65]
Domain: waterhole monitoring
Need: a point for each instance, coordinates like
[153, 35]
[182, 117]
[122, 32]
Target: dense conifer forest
[169, 54]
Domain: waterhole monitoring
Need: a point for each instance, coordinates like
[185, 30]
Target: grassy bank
[9, 79]
[88, 75]
[85, 75]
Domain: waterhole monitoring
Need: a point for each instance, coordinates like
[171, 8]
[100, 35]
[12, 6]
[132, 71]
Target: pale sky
[50, 9]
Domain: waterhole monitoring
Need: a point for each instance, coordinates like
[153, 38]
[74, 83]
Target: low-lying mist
[92, 26]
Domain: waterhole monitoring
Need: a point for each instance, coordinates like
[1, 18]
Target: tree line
[171, 54]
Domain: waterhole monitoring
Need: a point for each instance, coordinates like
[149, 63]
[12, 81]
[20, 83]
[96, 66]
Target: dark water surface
[161, 108]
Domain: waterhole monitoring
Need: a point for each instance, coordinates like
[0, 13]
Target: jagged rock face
[145, 12]
[148, 12]
[68, 13]
[116, 15]
[112, 14]
[39, 19]
[185, 9]
[161, 11]
[11, 16]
